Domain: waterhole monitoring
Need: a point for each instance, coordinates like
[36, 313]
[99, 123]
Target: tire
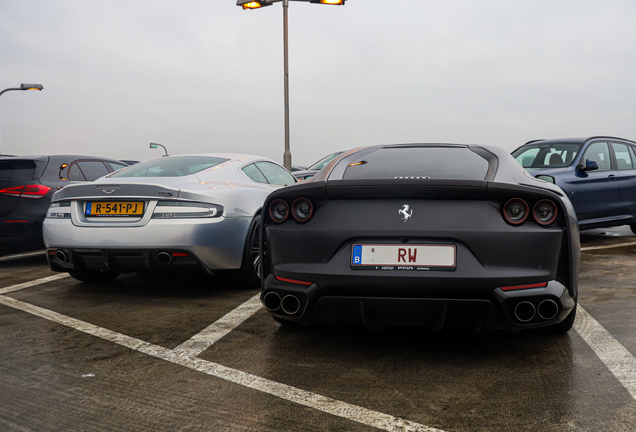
[250, 273]
[94, 276]
[565, 325]
[633, 227]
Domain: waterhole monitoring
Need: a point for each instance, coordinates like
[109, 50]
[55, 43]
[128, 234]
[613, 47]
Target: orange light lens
[251, 5]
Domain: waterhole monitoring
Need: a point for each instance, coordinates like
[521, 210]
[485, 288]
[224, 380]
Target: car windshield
[170, 167]
[324, 161]
[546, 155]
[16, 170]
[419, 162]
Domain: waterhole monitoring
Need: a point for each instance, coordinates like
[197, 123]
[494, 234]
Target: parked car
[598, 174]
[298, 168]
[313, 169]
[26, 186]
[423, 235]
[182, 213]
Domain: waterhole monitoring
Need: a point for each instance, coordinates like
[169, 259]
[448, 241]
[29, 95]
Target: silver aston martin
[178, 213]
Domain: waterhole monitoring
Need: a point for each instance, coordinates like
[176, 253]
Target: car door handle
[611, 176]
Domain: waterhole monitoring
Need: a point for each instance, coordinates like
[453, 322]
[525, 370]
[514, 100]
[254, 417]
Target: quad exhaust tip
[548, 309]
[525, 311]
[290, 304]
[61, 256]
[271, 301]
[164, 258]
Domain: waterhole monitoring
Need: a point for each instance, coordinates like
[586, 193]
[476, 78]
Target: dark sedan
[598, 174]
[422, 235]
[26, 186]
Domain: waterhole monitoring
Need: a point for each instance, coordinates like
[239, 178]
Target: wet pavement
[176, 353]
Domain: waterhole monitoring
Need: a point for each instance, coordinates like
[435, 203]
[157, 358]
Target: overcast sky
[207, 76]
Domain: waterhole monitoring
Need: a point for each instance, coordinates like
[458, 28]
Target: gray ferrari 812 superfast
[179, 213]
[433, 235]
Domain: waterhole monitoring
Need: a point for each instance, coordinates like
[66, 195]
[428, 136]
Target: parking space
[191, 353]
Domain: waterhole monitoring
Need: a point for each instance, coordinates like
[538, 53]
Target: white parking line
[302, 397]
[617, 359]
[211, 334]
[21, 255]
[610, 246]
[33, 283]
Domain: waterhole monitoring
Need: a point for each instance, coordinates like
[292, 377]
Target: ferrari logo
[404, 212]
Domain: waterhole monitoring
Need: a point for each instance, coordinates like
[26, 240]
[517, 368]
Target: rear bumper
[492, 308]
[217, 244]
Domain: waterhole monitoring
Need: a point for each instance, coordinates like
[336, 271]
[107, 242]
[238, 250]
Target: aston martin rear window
[16, 170]
[170, 167]
[419, 162]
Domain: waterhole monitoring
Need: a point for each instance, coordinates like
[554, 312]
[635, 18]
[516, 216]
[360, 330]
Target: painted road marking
[33, 283]
[607, 246]
[211, 334]
[22, 255]
[302, 397]
[617, 359]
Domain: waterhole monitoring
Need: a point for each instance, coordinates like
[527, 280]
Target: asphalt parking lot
[193, 354]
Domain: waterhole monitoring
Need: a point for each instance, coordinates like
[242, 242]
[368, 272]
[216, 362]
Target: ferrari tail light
[545, 212]
[27, 191]
[278, 211]
[515, 211]
[527, 286]
[302, 209]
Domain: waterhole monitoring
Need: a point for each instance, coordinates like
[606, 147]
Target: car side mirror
[590, 165]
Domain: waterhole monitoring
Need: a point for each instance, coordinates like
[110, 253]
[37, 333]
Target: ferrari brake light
[515, 211]
[302, 209]
[278, 211]
[518, 287]
[27, 191]
[545, 212]
[293, 281]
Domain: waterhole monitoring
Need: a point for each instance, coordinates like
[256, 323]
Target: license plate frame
[396, 256]
[110, 209]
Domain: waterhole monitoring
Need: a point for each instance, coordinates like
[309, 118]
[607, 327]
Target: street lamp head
[251, 4]
[329, 2]
[37, 87]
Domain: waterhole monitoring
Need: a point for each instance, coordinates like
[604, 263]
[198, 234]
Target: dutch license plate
[403, 256]
[114, 208]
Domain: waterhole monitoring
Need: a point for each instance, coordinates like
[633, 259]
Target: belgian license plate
[403, 256]
[114, 208]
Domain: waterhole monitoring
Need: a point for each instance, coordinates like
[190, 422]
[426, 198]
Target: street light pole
[255, 4]
[38, 87]
[287, 157]
[154, 145]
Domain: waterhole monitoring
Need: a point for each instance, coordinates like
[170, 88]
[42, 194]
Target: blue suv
[598, 174]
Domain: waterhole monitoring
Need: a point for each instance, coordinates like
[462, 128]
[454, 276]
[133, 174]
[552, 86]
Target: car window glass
[324, 161]
[254, 173]
[75, 174]
[275, 174]
[419, 162]
[16, 170]
[546, 155]
[117, 166]
[599, 151]
[93, 169]
[632, 151]
[623, 157]
[170, 167]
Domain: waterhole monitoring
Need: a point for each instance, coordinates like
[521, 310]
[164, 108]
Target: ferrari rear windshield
[170, 167]
[419, 162]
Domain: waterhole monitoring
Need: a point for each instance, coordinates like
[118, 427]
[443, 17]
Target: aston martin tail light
[545, 212]
[278, 211]
[302, 209]
[28, 191]
[515, 211]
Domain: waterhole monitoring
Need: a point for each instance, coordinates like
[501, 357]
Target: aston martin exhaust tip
[548, 309]
[164, 258]
[271, 301]
[290, 304]
[525, 311]
[61, 256]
